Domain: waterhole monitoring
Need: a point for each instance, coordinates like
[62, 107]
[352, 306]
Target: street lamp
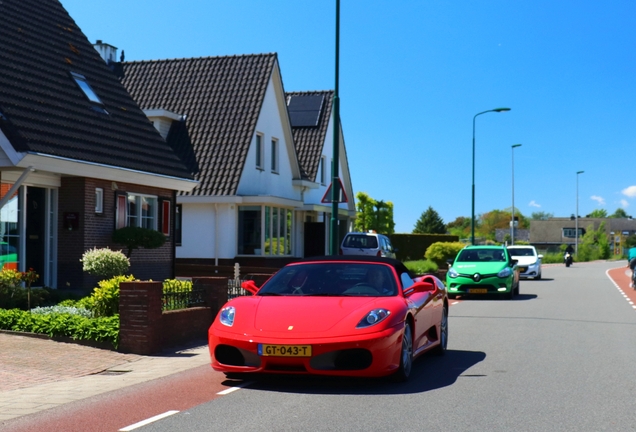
[576, 216]
[472, 215]
[512, 223]
[335, 164]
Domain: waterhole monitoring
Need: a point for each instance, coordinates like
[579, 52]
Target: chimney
[107, 52]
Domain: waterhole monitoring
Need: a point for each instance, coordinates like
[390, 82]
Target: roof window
[86, 88]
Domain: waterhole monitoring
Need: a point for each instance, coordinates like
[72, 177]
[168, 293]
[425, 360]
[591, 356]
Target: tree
[620, 213]
[594, 244]
[374, 215]
[541, 215]
[429, 222]
[459, 227]
[498, 219]
[598, 213]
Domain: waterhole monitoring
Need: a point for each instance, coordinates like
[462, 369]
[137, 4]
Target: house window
[274, 156]
[570, 232]
[177, 224]
[136, 210]
[277, 237]
[321, 168]
[99, 200]
[259, 151]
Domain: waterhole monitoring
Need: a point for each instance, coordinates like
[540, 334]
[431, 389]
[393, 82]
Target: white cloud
[598, 199]
[629, 191]
[624, 203]
[534, 204]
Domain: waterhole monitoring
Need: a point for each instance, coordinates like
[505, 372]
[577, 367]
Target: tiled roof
[309, 141]
[46, 112]
[221, 98]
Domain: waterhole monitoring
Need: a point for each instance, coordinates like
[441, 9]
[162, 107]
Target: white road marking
[147, 421]
[619, 288]
[235, 388]
[454, 302]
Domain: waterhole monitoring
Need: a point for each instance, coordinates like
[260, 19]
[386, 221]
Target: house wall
[264, 182]
[77, 195]
[198, 231]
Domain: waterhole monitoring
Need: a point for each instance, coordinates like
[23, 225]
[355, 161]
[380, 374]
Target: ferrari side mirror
[250, 286]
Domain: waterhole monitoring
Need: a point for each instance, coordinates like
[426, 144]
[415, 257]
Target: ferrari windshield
[332, 279]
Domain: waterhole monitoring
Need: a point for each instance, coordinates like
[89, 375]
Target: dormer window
[86, 88]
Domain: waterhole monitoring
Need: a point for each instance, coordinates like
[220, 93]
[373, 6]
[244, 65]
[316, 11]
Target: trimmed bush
[70, 310]
[104, 301]
[421, 267]
[440, 252]
[62, 325]
[136, 237]
[105, 263]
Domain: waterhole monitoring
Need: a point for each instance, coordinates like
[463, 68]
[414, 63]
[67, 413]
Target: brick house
[78, 158]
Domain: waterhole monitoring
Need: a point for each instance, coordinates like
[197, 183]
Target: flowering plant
[30, 276]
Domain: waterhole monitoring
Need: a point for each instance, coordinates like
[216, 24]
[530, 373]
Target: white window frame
[259, 151]
[99, 200]
[274, 149]
[138, 216]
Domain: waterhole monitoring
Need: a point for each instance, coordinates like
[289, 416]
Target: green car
[483, 270]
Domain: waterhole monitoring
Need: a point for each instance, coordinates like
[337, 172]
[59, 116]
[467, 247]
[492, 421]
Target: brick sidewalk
[28, 361]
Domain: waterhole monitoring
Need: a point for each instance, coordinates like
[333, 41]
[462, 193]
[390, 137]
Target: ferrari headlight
[504, 273]
[452, 273]
[227, 316]
[373, 317]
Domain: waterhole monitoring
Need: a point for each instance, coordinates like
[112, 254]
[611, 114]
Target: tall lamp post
[512, 222]
[335, 172]
[472, 214]
[576, 216]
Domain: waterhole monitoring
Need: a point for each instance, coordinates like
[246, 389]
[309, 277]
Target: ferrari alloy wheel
[406, 355]
[443, 334]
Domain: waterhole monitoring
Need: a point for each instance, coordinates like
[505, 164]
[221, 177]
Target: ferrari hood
[307, 314]
[481, 267]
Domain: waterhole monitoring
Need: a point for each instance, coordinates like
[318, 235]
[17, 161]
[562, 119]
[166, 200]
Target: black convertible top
[396, 264]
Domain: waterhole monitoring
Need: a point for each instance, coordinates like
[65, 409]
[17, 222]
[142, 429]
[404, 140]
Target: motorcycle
[568, 259]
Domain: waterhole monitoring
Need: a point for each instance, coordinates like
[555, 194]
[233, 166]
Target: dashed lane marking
[235, 388]
[147, 421]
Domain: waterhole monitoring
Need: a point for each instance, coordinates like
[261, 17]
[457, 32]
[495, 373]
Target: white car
[371, 243]
[529, 262]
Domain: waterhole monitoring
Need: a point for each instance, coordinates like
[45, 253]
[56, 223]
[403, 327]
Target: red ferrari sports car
[354, 316]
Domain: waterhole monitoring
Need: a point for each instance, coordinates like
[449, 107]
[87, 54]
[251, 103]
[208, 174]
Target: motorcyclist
[568, 250]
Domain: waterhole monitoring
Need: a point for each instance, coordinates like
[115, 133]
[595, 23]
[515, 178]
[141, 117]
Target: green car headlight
[452, 273]
[504, 273]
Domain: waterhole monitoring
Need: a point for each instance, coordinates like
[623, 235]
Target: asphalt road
[560, 357]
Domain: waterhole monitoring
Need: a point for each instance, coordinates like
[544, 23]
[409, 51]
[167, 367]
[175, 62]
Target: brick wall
[77, 195]
[145, 329]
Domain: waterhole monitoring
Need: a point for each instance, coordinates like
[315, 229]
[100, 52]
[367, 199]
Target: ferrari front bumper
[370, 354]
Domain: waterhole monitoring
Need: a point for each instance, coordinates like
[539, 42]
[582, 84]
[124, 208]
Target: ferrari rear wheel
[443, 334]
[406, 355]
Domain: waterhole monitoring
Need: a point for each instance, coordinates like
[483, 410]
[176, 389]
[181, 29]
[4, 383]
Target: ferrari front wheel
[406, 355]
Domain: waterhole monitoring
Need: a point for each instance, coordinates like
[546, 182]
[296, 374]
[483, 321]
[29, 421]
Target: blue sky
[412, 76]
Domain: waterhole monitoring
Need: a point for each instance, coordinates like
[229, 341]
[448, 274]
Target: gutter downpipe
[16, 185]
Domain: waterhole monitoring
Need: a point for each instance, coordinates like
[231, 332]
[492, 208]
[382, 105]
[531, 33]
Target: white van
[371, 244]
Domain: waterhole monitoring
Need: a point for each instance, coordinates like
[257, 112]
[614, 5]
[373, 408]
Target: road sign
[342, 196]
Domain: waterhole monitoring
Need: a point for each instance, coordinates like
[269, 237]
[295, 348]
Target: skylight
[86, 88]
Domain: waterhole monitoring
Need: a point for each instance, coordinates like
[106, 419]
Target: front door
[36, 231]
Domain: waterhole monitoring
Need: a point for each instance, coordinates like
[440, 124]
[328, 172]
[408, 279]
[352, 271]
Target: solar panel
[304, 111]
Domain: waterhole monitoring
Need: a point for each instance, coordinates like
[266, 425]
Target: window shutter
[165, 217]
[121, 210]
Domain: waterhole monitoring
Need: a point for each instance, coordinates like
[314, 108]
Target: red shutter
[122, 211]
[165, 218]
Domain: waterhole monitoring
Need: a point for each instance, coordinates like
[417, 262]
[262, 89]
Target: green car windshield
[482, 255]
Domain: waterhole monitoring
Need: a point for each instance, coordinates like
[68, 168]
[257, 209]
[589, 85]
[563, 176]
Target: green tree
[498, 219]
[620, 213]
[630, 241]
[459, 227]
[374, 215]
[429, 222]
[598, 213]
[541, 216]
[594, 244]
[136, 237]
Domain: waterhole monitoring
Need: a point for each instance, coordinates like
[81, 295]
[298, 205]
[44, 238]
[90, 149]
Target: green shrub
[13, 295]
[105, 263]
[62, 325]
[175, 294]
[552, 258]
[105, 298]
[421, 267]
[136, 237]
[440, 252]
[71, 310]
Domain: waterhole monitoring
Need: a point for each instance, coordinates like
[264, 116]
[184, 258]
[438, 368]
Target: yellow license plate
[284, 350]
[522, 269]
[477, 291]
